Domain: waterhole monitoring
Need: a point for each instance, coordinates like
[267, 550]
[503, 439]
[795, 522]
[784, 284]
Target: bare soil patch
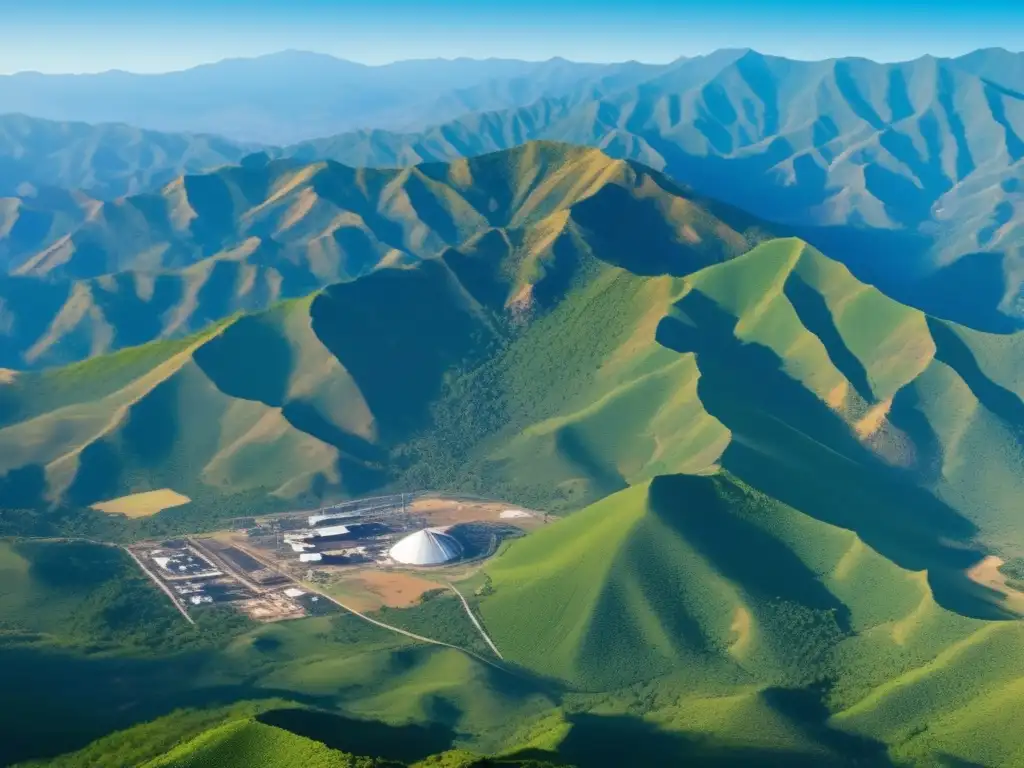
[741, 627]
[394, 589]
[441, 512]
[271, 607]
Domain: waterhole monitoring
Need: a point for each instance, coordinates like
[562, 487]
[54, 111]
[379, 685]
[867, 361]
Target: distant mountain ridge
[290, 96]
[107, 160]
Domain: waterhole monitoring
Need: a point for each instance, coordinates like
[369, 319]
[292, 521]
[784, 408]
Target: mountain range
[909, 173]
[546, 236]
[748, 331]
[790, 494]
[168, 263]
[291, 96]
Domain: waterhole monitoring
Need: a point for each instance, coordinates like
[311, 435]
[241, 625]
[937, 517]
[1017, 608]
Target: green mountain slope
[250, 743]
[110, 654]
[167, 264]
[705, 590]
[776, 365]
[789, 493]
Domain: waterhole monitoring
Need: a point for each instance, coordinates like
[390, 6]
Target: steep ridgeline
[86, 277]
[909, 173]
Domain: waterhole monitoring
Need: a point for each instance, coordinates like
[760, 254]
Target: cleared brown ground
[143, 504]
[440, 512]
[396, 589]
[271, 607]
[7, 376]
[371, 589]
[987, 574]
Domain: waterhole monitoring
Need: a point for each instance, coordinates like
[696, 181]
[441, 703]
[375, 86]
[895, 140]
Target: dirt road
[476, 622]
[381, 624]
[163, 587]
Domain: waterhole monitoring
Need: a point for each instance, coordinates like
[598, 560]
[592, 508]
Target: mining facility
[199, 572]
[264, 567]
[379, 531]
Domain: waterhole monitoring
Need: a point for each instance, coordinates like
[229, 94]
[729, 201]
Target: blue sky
[146, 36]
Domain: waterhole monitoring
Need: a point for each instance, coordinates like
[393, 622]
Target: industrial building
[426, 547]
[315, 520]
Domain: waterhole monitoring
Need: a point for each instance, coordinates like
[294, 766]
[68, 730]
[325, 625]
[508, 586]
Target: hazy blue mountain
[997, 65]
[290, 96]
[108, 160]
[912, 173]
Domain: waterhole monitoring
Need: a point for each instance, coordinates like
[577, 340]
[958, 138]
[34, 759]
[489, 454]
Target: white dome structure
[426, 547]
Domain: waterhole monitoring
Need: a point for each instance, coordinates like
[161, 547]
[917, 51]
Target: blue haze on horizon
[140, 36]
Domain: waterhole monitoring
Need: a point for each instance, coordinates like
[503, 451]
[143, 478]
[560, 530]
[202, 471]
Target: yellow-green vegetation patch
[143, 504]
[249, 743]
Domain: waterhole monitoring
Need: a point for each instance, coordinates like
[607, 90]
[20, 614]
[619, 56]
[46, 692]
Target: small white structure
[310, 557]
[331, 530]
[426, 547]
[293, 592]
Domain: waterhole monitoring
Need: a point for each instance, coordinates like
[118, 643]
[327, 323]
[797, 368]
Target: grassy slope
[245, 743]
[647, 585]
[519, 397]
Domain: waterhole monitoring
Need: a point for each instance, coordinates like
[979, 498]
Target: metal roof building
[426, 547]
[315, 520]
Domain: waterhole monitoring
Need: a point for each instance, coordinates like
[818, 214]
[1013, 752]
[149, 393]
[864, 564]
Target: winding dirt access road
[381, 624]
[476, 622]
[401, 631]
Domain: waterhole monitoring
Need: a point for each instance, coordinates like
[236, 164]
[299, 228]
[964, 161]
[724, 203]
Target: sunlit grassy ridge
[246, 743]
